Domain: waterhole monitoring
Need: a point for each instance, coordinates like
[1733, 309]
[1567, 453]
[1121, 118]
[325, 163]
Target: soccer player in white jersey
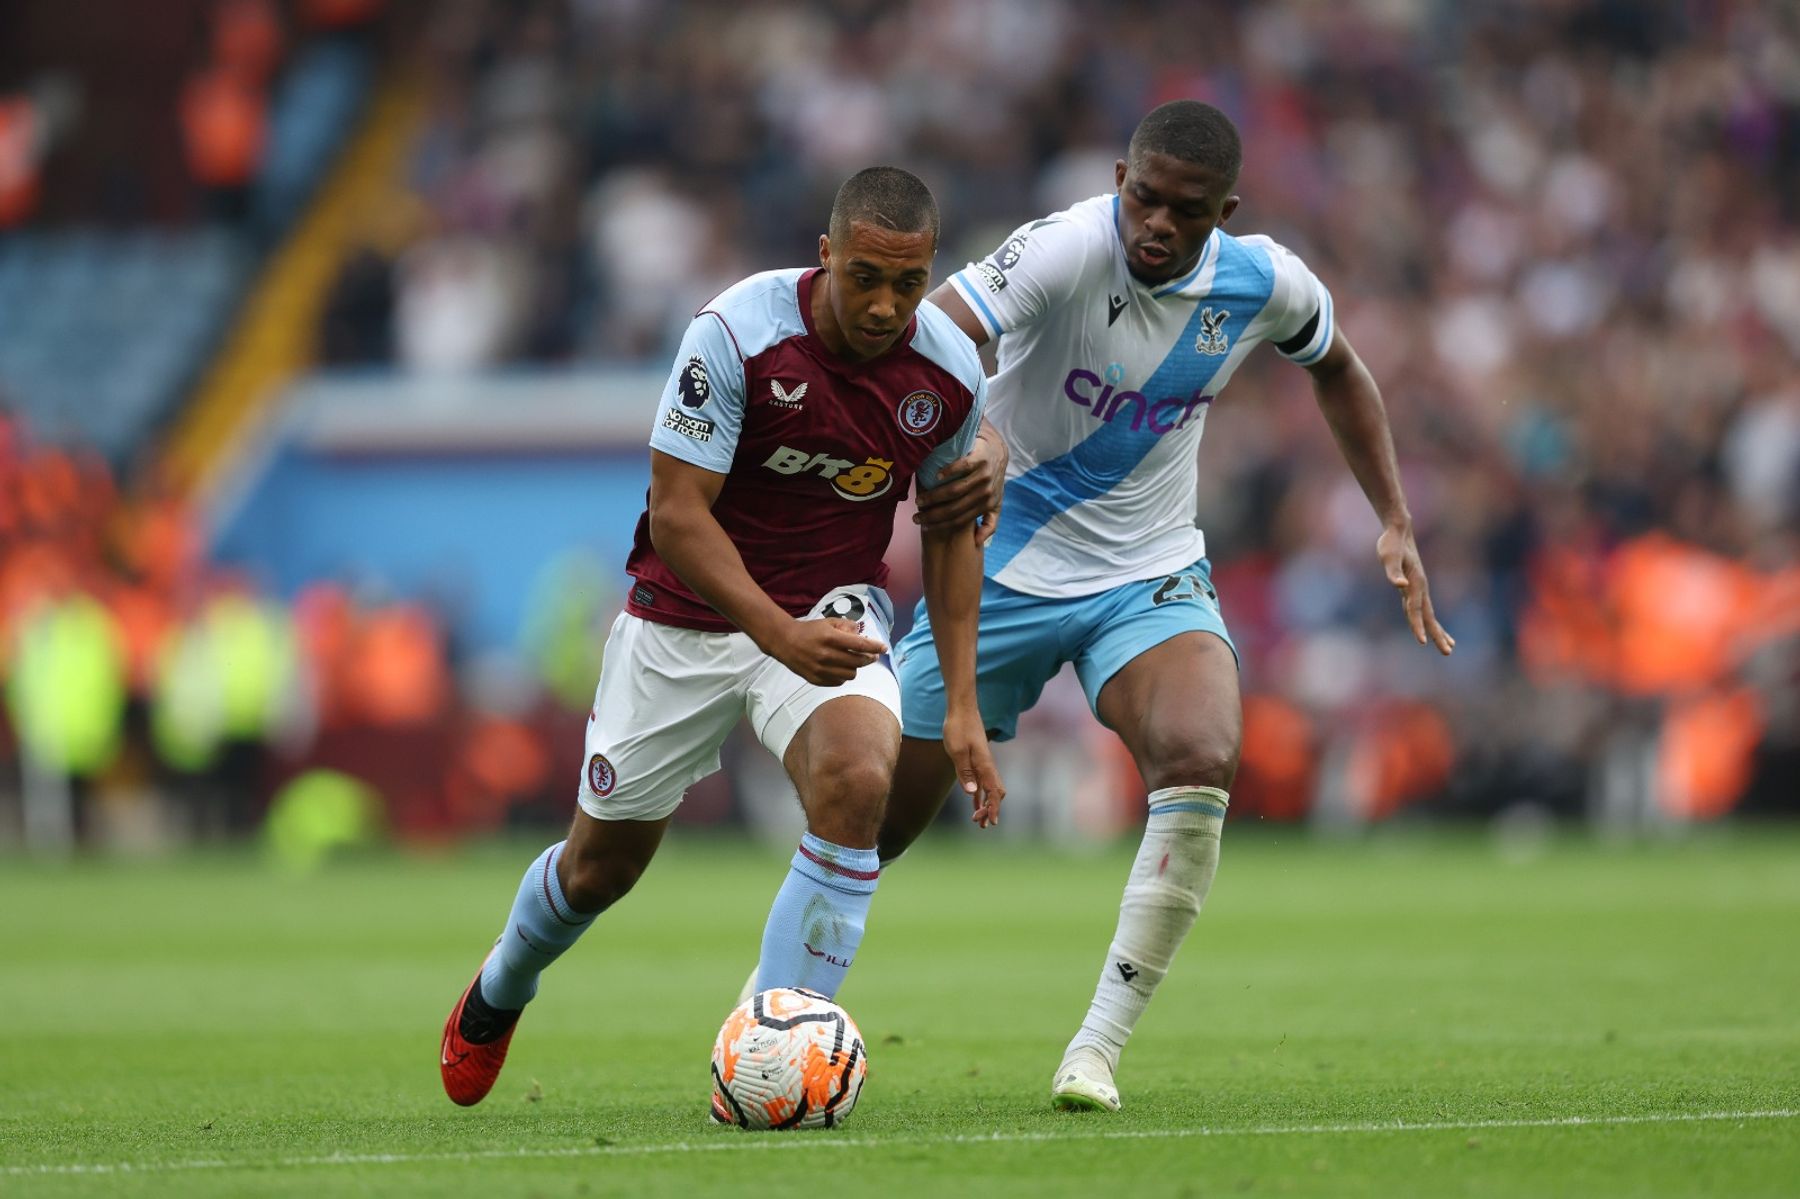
[1119, 322]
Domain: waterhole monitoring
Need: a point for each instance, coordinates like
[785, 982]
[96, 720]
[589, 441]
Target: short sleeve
[702, 408]
[1301, 324]
[1038, 267]
[960, 442]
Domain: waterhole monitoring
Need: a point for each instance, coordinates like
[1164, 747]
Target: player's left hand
[969, 488]
[1400, 560]
[967, 744]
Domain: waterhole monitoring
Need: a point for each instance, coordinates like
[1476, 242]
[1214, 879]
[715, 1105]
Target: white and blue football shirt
[1103, 386]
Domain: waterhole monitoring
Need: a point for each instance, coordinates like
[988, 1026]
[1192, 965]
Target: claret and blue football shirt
[817, 450]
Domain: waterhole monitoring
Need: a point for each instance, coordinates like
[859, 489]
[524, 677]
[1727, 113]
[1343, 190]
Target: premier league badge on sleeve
[693, 386]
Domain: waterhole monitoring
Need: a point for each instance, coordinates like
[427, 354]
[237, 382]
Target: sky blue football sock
[817, 920]
[541, 927]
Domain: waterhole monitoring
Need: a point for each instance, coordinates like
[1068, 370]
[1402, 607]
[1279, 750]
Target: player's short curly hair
[886, 196]
[1192, 132]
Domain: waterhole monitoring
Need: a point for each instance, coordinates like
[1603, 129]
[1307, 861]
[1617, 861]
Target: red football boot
[470, 1070]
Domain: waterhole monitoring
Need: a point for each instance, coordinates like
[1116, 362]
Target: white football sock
[1169, 881]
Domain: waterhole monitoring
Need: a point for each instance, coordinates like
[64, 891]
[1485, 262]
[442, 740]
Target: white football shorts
[669, 696]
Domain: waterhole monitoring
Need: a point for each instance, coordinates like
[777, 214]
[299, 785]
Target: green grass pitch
[1408, 1014]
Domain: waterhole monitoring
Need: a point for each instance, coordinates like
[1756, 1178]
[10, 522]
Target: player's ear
[825, 250]
[1119, 175]
[1227, 208]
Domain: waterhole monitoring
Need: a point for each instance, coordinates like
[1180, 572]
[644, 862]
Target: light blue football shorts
[1025, 639]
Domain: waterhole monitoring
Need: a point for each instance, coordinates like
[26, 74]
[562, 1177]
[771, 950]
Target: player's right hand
[965, 740]
[826, 653]
[1399, 554]
[971, 488]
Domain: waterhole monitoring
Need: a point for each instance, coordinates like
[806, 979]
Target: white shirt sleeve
[1300, 313]
[702, 408]
[1038, 267]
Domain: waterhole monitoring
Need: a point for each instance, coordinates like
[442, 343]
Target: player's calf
[561, 892]
[842, 762]
[923, 779]
[1169, 882]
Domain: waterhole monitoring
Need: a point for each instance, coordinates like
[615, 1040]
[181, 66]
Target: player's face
[1167, 210]
[877, 278]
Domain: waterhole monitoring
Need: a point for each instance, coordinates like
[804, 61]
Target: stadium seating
[105, 329]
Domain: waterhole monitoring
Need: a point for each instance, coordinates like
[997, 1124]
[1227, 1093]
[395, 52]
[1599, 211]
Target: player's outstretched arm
[969, 489]
[1352, 406]
[951, 562]
[945, 296]
[688, 537]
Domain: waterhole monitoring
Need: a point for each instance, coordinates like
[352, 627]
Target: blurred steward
[566, 617]
[1664, 620]
[229, 685]
[21, 154]
[341, 17]
[65, 697]
[247, 39]
[396, 671]
[1279, 763]
[224, 125]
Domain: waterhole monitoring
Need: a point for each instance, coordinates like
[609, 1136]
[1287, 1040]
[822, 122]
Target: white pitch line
[735, 1144]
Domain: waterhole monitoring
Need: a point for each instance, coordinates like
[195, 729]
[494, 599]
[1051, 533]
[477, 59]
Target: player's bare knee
[1195, 763]
[846, 796]
[850, 779]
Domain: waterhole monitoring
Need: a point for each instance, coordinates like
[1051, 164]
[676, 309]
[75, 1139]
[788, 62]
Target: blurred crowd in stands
[1564, 235]
[164, 114]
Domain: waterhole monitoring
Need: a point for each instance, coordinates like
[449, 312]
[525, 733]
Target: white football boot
[1084, 1083]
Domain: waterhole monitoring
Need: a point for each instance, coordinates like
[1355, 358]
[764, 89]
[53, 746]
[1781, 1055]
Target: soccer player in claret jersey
[1119, 322]
[801, 406]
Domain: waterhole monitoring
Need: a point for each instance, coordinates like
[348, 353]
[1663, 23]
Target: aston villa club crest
[601, 777]
[919, 412]
[1212, 340]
